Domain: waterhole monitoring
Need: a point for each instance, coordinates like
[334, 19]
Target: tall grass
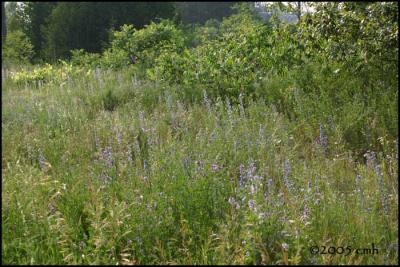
[111, 170]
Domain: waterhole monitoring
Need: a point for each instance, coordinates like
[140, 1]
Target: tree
[3, 22]
[17, 48]
[37, 15]
[200, 12]
[86, 25]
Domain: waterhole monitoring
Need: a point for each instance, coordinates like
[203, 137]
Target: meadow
[125, 166]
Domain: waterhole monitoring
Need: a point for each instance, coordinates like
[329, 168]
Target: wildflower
[252, 204]
[372, 161]
[97, 142]
[82, 245]
[262, 216]
[322, 137]
[138, 240]
[286, 173]
[119, 136]
[215, 167]
[253, 189]
[52, 208]
[269, 189]
[306, 214]
[234, 203]
[207, 101]
[42, 161]
[105, 177]
[251, 170]
[186, 165]
[130, 155]
[382, 188]
[330, 122]
[142, 121]
[285, 246]
[242, 113]
[242, 176]
[107, 156]
[309, 186]
[316, 185]
[146, 169]
[261, 134]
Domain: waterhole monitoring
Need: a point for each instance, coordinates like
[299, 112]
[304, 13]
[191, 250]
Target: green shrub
[145, 45]
[81, 58]
[17, 48]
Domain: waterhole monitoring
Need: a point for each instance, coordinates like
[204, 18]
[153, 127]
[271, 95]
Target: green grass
[158, 199]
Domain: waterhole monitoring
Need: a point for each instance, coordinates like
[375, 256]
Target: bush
[225, 66]
[81, 58]
[49, 73]
[17, 48]
[145, 45]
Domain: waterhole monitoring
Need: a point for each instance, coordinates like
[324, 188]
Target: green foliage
[36, 18]
[80, 57]
[49, 74]
[362, 35]
[17, 48]
[200, 12]
[85, 25]
[145, 45]
[246, 145]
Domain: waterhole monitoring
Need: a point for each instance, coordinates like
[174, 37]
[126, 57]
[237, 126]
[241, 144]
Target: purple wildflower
[374, 163]
[234, 203]
[286, 173]
[215, 167]
[107, 156]
[268, 192]
[330, 122]
[242, 176]
[42, 161]
[306, 214]
[119, 136]
[252, 205]
[242, 113]
[105, 177]
[323, 141]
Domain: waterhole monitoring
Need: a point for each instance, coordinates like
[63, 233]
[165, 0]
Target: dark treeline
[55, 28]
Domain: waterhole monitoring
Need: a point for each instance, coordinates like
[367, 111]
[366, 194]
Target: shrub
[17, 48]
[82, 58]
[49, 73]
[145, 45]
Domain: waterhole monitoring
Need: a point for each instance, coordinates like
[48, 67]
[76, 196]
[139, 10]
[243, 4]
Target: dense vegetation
[234, 142]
